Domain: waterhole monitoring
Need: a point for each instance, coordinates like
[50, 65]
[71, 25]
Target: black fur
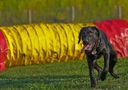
[102, 47]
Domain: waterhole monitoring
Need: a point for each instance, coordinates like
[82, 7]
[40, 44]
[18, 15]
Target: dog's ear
[79, 37]
[80, 34]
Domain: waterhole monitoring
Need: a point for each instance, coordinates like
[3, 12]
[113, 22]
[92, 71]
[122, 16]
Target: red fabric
[2, 67]
[3, 51]
[117, 33]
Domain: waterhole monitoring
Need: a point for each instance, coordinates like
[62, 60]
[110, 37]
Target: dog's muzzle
[88, 48]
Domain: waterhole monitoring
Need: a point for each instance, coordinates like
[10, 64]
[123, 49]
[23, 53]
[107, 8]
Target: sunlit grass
[72, 75]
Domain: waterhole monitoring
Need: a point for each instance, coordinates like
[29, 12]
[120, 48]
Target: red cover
[117, 33]
[3, 51]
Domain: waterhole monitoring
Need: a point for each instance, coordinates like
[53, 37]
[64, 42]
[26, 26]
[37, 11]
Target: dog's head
[90, 36]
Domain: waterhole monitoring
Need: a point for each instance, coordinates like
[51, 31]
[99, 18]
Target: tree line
[61, 11]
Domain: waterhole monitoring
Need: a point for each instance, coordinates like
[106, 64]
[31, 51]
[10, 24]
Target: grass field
[72, 75]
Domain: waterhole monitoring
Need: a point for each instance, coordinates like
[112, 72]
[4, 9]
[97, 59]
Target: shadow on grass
[72, 81]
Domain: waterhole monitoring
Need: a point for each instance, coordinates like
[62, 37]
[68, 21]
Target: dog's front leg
[91, 72]
[106, 66]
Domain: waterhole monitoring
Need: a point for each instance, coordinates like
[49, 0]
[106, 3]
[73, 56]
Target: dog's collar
[98, 47]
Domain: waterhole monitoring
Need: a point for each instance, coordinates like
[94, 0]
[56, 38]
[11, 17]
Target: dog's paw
[103, 75]
[98, 78]
[115, 75]
[93, 85]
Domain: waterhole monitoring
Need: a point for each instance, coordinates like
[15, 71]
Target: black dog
[95, 45]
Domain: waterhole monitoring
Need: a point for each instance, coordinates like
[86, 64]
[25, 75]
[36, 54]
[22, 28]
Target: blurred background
[60, 11]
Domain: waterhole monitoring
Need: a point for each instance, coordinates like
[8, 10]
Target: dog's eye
[91, 31]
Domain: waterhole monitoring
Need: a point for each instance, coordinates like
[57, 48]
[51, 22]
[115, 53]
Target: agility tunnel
[48, 43]
[117, 33]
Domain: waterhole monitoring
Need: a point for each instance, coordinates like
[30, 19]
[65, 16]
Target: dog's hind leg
[112, 63]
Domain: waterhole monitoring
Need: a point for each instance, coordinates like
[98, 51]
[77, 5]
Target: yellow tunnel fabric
[42, 43]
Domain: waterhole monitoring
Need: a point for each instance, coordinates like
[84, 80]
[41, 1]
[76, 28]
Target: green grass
[72, 75]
